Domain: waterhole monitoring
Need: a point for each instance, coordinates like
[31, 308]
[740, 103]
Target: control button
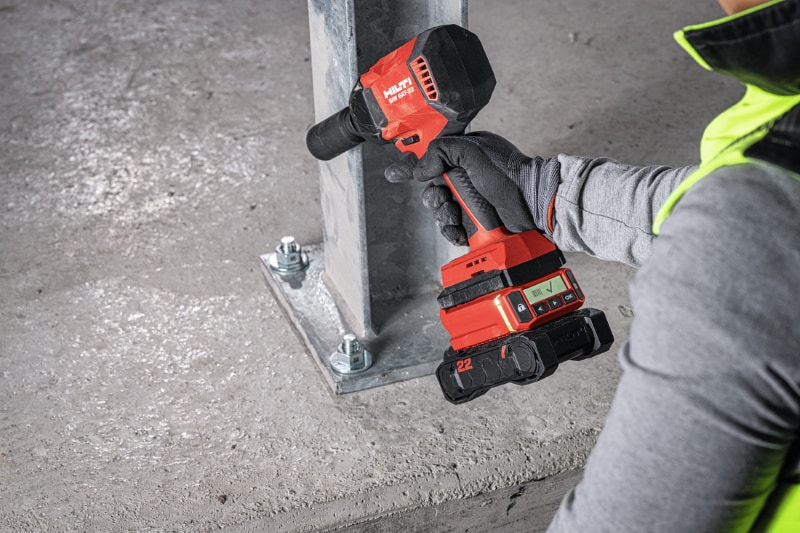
[518, 304]
[569, 297]
[555, 302]
[540, 308]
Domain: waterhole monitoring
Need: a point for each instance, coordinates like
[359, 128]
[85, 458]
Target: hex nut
[350, 357]
[288, 256]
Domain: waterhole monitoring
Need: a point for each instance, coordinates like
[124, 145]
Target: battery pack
[525, 357]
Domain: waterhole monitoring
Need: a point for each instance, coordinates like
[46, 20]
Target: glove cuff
[538, 180]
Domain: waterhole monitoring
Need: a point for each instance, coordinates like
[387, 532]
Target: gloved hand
[521, 189]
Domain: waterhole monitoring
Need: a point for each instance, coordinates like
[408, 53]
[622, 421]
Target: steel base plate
[410, 342]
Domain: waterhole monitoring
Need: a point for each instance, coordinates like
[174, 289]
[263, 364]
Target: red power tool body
[511, 308]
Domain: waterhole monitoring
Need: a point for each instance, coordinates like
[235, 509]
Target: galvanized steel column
[379, 245]
[377, 273]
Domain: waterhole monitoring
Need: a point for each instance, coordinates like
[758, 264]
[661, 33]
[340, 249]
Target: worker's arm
[596, 206]
[606, 209]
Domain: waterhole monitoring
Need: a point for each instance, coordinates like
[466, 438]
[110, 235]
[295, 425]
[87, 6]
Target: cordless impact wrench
[511, 308]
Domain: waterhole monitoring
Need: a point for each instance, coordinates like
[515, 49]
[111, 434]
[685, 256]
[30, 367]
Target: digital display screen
[545, 289]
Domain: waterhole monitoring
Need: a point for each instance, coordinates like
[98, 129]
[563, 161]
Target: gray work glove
[520, 188]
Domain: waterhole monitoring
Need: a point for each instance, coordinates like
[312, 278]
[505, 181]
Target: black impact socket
[333, 136]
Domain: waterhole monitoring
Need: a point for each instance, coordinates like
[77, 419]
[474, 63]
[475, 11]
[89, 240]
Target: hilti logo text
[398, 90]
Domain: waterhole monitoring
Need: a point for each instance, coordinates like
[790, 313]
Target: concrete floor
[149, 381]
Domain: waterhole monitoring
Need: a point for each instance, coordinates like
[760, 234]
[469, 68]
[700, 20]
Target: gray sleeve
[708, 406]
[606, 209]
